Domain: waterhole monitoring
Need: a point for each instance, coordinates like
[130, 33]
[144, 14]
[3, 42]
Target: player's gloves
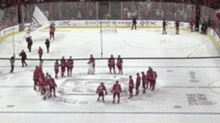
[106, 93]
[55, 85]
[111, 91]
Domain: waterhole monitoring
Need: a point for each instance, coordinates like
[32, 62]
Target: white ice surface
[171, 88]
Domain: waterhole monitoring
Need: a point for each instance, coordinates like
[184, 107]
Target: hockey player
[46, 87]
[52, 30]
[47, 43]
[192, 24]
[23, 58]
[134, 22]
[144, 81]
[56, 68]
[92, 61]
[138, 81]
[29, 43]
[100, 90]
[40, 52]
[131, 86]
[36, 77]
[152, 75]
[42, 83]
[70, 66]
[40, 69]
[119, 65]
[164, 26]
[204, 28]
[116, 89]
[12, 61]
[63, 65]
[111, 64]
[177, 26]
[52, 86]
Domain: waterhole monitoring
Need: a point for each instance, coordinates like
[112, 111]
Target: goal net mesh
[107, 26]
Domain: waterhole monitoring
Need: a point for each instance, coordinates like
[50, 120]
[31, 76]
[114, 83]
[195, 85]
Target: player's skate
[103, 100]
[113, 101]
[118, 101]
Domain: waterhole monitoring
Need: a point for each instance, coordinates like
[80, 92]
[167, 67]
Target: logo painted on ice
[193, 76]
[198, 99]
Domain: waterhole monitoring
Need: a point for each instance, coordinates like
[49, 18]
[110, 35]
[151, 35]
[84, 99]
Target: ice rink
[187, 90]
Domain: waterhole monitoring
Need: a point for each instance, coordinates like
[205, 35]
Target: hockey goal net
[108, 26]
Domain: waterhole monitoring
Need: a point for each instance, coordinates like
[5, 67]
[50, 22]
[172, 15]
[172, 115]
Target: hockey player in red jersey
[63, 65]
[36, 77]
[42, 83]
[111, 64]
[40, 69]
[40, 52]
[119, 64]
[56, 68]
[144, 81]
[92, 61]
[52, 86]
[131, 86]
[138, 82]
[116, 89]
[70, 66]
[152, 75]
[52, 30]
[192, 24]
[100, 90]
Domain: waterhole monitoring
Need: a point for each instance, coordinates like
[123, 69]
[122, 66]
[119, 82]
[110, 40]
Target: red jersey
[144, 78]
[138, 80]
[92, 60]
[119, 62]
[70, 63]
[51, 82]
[40, 52]
[100, 89]
[52, 29]
[111, 61]
[56, 66]
[116, 88]
[192, 22]
[36, 74]
[63, 64]
[40, 70]
[152, 75]
[131, 83]
[46, 81]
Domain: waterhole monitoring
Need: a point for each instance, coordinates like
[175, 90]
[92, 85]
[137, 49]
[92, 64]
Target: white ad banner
[68, 23]
[125, 23]
[10, 30]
